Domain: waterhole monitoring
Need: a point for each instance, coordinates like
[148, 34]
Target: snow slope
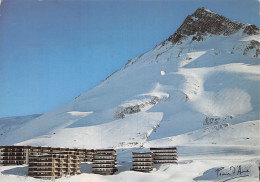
[199, 159]
[214, 84]
[9, 124]
[207, 104]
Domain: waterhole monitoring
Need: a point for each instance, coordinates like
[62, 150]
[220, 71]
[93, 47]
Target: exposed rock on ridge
[204, 21]
[253, 44]
[251, 30]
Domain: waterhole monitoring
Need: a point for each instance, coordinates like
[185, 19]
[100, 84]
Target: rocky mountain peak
[203, 22]
[251, 30]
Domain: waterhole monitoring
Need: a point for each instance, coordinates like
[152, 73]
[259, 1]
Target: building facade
[89, 153]
[54, 165]
[14, 155]
[104, 162]
[165, 155]
[142, 161]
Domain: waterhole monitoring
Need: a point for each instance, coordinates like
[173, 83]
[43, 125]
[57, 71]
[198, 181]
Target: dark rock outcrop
[251, 30]
[202, 22]
[121, 112]
[253, 45]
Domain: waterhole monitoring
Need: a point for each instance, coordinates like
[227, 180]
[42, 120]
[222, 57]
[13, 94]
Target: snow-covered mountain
[212, 78]
[8, 124]
[199, 87]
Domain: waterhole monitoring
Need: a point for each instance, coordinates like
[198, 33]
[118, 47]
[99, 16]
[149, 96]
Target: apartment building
[14, 155]
[165, 155]
[54, 165]
[104, 162]
[142, 161]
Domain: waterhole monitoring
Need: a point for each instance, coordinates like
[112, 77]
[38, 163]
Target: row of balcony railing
[58, 160]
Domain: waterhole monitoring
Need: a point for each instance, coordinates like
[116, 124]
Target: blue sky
[53, 50]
